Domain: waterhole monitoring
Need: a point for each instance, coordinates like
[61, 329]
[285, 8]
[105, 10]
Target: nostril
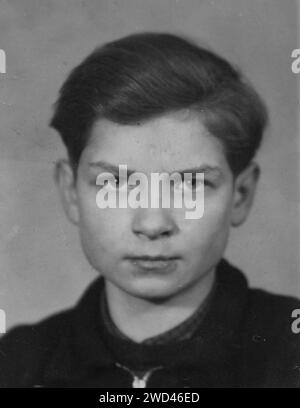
[153, 224]
[155, 234]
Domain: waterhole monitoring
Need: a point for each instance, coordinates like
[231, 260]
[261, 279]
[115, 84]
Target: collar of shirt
[183, 331]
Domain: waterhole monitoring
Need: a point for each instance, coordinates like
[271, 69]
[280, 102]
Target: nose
[153, 223]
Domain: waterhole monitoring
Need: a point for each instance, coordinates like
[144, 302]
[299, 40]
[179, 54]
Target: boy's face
[113, 239]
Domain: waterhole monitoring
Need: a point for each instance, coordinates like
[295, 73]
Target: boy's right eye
[113, 182]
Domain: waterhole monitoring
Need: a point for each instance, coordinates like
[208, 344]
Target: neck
[140, 318]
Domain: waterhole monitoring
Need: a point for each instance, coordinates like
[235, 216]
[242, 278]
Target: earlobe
[244, 192]
[65, 181]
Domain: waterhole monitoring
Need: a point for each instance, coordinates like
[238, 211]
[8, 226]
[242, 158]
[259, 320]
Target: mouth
[154, 263]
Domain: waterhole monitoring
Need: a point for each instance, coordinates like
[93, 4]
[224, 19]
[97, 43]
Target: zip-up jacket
[245, 339]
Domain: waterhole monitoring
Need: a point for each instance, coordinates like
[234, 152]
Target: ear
[66, 184]
[244, 192]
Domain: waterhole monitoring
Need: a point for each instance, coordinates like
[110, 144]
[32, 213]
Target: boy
[168, 310]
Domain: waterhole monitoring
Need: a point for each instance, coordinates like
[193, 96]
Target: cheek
[102, 231]
[102, 236]
[105, 226]
[211, 231]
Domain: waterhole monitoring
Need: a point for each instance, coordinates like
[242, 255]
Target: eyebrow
[205, 168]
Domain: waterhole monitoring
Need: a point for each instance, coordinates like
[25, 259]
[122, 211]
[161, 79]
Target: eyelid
[206, 181]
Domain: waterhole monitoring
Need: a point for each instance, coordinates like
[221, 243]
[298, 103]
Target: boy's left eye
[193, 182]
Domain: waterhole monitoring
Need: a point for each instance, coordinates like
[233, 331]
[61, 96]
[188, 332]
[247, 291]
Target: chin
[152, 290]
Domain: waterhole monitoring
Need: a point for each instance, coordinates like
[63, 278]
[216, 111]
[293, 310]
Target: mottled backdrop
[42, 268]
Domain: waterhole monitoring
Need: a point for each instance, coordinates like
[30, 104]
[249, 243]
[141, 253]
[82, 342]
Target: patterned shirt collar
[183, 331]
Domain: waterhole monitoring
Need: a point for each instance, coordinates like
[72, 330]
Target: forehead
[167, 143]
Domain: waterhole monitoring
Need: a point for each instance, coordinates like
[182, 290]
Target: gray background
[42, 268]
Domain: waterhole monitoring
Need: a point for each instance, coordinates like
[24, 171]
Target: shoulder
[272, 310]
[271, 338]
[259, 307]
[25, 348]
[26, 335]
[275, 317]
[268, 331]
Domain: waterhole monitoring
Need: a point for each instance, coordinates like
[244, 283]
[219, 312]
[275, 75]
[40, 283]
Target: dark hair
[146, 75]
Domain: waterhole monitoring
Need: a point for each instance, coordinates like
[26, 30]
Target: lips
[154, 263]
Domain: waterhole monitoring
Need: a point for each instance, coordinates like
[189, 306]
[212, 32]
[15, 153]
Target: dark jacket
[245, 340]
